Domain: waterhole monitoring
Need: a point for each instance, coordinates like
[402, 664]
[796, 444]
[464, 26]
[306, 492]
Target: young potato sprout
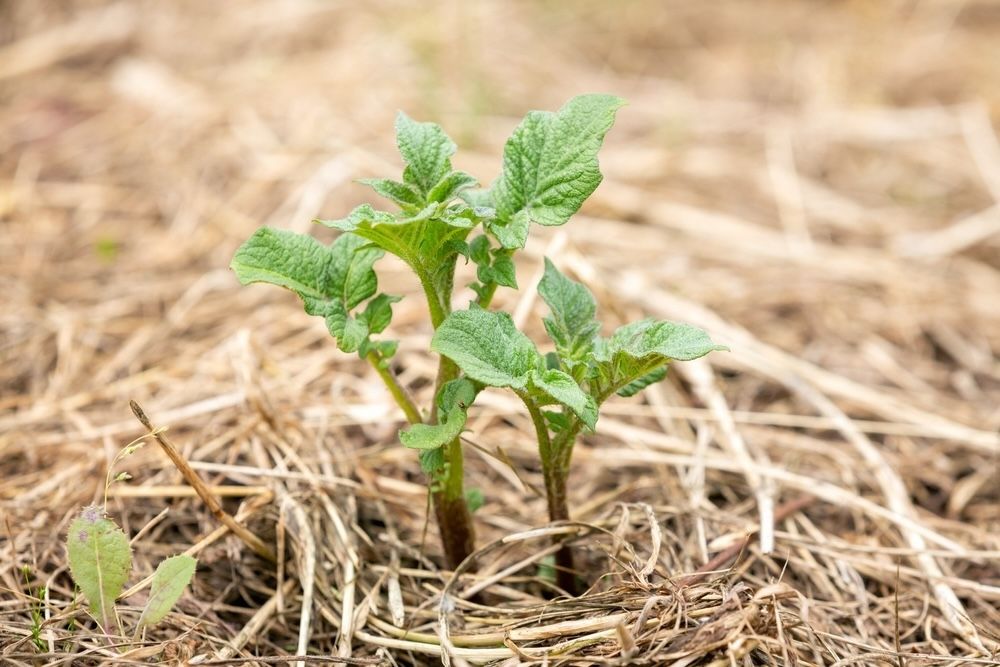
[550, 168]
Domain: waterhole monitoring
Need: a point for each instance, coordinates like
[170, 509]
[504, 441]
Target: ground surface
[815, 183]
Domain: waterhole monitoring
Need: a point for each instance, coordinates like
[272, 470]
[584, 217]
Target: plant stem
[555, 470]
[438, 311]
[458, 534]
[486, 297]
[399, 393]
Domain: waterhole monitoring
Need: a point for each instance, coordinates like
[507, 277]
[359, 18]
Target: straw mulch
[817, 184]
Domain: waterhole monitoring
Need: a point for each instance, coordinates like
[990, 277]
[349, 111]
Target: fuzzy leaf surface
[319, 274]
[641, 348]
[664, 339]
[330, 280]
[563, 388]
[427, 151]
[426, 241]
[571, 326]
[403, 194]
[487, 347]
[169, 581]
[450, 186]
[99, 560]
[453, 403]
[432, 436]
[550, 162]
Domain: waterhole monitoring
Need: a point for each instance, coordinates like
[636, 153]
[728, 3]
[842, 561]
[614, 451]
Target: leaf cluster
[550, 167]
[100, 560]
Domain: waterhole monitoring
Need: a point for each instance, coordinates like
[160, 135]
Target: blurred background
[817, 183]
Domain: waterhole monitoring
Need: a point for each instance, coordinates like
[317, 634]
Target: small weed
[100, 561]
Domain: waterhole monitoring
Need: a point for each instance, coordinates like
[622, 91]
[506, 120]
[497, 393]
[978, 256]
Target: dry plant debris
[818, 186]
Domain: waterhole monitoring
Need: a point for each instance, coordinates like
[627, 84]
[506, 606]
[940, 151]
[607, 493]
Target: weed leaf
[171, 577]
[99, 560]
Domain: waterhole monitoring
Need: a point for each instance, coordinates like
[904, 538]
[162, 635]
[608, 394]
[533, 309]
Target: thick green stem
[555, 470]
[437, 310]
[458, 535]
[399, 394]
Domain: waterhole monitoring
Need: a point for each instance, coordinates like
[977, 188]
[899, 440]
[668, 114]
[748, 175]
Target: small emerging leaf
[450, 186]
[427, 151]
[99, 560]
[401, 193]
[487, 347]
[432, 436]
[453, 405]
[565, 390]
[572, 326]
[378, 312]
[171, 577]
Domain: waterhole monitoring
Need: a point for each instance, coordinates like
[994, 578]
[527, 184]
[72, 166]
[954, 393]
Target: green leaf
[433, 463]
[474, 499]
[99, 560]
[453, 403]
[504, 272]
[456, 393]
[450, 186]
[492, 266]
[318, 273]
[564, 389]
[426, 241]
[401, 193]
[669, 340]
[513, 233]
[169, 581]
[478, 198]
[378, 312]
[572, 326]
[487, 347]
[479, 250]
[432, 436]
[550, 164]
[637, 385]
[330, 280]
[639, 349]
[427, 151]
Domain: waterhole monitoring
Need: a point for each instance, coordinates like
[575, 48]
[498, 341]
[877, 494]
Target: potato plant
[550, 168]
